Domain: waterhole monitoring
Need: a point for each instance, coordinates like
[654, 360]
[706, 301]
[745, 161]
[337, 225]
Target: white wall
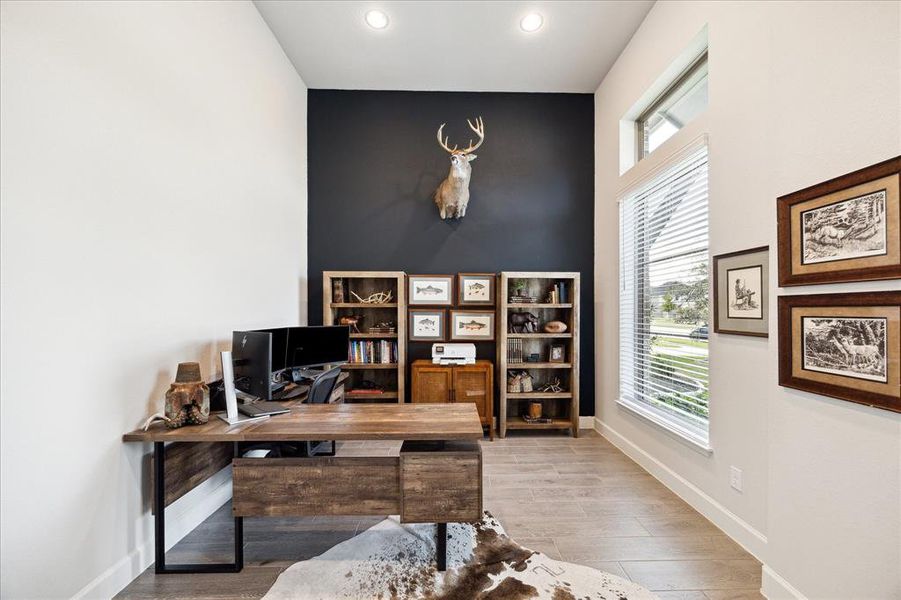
[800, 92]
[153, 199]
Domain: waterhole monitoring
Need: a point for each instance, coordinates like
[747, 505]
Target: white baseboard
[734, 526]
[182, 516]
[775, 587]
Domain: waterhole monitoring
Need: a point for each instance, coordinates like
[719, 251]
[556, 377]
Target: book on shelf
[534, 420]
[372, 352]
[514, 350]
[519, 299]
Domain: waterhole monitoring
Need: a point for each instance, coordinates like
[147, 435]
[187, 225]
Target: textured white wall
[153, 199]
[800, 92]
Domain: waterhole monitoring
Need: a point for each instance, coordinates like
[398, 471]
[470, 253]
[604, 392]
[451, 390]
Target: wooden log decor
[297, 487]
[441, 482]
[188, 465]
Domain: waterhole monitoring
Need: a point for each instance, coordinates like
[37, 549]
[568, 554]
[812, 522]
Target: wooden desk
[437, 478]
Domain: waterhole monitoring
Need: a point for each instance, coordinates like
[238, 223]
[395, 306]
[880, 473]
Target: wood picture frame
[479, 328]
[845, 346]
[423, 320]
[556, 353]
[476, 289]
[736, 310]
[430, 290]
[844, 229]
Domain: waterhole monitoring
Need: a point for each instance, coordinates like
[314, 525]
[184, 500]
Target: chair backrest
[323, 386]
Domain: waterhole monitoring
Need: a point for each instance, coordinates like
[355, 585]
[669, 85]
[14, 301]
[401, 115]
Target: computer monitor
[318, 345]
[252, 359]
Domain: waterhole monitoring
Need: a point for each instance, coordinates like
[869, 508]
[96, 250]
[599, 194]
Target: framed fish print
[427, 325]
[430, 290]
[472, 325]
[741, 292]
[475, 289]
[845, 229]
[846, 346]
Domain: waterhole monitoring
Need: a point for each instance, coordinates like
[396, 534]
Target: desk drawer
[296, 487]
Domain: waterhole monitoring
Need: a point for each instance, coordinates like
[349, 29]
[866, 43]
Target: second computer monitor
[317, 346]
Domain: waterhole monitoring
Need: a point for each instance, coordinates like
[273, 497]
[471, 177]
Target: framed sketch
[741, 292]
[557, 353]
[472, 325]
[845, 229]
[846, 346]
[475, 289]
[427, 325]
[430, 290]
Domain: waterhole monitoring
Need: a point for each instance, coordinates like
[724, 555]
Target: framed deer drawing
[452, 195]
[846, 346]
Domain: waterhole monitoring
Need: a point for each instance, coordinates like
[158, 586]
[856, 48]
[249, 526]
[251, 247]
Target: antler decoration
[478, 128]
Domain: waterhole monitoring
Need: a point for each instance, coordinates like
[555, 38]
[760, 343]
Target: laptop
[262, 409]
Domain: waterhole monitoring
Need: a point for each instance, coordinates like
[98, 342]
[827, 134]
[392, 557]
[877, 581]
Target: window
[685, 99]
[664, 298]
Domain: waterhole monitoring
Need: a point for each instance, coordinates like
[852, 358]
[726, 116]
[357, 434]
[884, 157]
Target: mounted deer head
[452, 196]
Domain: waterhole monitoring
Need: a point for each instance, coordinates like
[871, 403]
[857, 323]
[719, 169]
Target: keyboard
[262, 409]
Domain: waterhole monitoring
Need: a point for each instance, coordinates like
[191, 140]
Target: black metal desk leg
[159, 526]
[441, 547]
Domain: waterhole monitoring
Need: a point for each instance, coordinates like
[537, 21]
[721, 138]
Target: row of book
[372, 352]
[559, 294]
[514, 350]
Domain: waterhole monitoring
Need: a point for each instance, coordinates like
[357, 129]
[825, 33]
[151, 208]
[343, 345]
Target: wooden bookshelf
[389, 376]
[561, 407]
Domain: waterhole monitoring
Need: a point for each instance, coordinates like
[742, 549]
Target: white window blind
[664, 297]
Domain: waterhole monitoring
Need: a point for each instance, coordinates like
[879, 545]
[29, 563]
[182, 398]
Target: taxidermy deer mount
[452, 195]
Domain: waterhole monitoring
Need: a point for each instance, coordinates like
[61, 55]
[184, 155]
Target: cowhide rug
[391, 561]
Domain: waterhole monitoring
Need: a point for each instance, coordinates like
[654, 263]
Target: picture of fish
[476, 288]
[472, 325]
[427, 325]
[429, 290]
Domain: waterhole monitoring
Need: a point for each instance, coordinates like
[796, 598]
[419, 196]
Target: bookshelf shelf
[561, 407]
[390, 377]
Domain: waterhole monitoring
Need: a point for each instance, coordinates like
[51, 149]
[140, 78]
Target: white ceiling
[454, 46]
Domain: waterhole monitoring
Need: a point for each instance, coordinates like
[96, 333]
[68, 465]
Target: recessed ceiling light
[531, 22]
[376, 19]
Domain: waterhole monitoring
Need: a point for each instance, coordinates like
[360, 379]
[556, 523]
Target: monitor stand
[241, 418]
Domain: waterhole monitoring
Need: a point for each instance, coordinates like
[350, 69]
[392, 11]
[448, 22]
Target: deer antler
[478, 129]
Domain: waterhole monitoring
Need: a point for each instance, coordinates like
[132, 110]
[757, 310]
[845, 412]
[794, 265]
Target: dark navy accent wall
[374, 163]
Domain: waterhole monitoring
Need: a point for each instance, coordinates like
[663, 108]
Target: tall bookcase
[389, 377]
[561, 407]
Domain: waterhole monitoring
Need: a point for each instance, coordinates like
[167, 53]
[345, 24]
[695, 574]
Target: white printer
[454, 354]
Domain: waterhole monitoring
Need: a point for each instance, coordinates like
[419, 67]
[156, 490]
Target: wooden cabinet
[456, 383]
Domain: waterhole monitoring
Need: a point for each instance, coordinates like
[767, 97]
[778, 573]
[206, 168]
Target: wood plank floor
[578, 500]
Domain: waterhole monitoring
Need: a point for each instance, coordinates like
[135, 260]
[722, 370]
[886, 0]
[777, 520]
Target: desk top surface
[312, 422]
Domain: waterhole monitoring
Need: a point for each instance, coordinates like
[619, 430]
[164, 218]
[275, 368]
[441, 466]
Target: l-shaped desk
[437, 477]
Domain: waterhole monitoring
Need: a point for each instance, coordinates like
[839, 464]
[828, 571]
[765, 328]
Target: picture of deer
[847, 346]
[452, 195]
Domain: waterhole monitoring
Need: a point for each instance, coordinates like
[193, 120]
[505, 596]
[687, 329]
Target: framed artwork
[846, 346]
[741, 292]
[427, 325]
[557, 353]
[475, 289]
[845, 229]
[472, 325]
[430, 290]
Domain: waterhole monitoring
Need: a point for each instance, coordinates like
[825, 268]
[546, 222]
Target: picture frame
[557, 353]
[741, 292]
[844, 229]
[476, 289]
[430, 290]
[472, 325]
[427, 325]
[845, 346]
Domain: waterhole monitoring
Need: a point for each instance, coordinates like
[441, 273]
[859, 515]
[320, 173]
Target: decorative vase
[188, 398]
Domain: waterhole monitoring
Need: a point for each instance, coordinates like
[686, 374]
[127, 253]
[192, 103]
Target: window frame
[699, 63]
[676, 427]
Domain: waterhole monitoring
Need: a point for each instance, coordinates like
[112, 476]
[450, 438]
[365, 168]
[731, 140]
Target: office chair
[320, 392]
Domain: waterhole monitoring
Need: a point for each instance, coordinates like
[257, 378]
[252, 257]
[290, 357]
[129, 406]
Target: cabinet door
[431, 384]
[472, 383]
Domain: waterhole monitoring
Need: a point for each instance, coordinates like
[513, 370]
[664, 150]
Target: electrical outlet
[735, 478]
